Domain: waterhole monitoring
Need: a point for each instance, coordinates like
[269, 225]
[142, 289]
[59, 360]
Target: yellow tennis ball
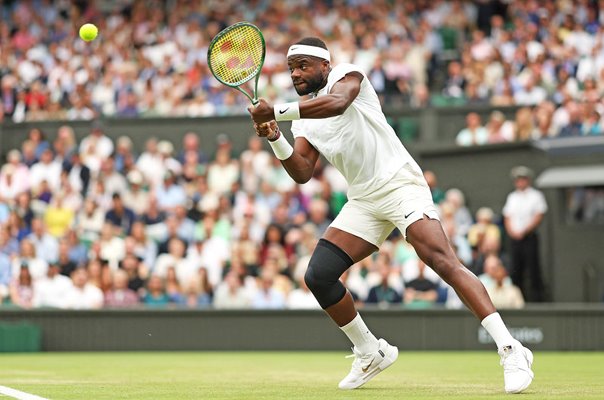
[88, 32]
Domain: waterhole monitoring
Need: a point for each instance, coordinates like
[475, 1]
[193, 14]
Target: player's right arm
[300, 165]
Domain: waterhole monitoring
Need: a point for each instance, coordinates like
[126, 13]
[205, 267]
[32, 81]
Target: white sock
[360, 336]
[497, 329]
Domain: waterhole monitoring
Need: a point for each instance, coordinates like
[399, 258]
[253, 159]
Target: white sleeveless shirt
[359, 143]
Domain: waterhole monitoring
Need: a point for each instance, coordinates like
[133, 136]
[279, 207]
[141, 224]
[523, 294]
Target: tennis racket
[236, 56]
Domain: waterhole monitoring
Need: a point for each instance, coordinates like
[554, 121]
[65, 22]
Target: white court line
[17, 394]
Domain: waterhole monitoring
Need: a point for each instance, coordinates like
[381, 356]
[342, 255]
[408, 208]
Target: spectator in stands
[223, 172]
[144, 247]
[191, 143]
[543, 122]
[474, 133]
[83, 294]
[170, 194]
[456, 82]
[318, 215]
[95, 147]
[120, 296]
[267, 296]
[574, 127]
[420, 292]
[198, 291]
[90, 221]
[47, 169]
[186, 226]
[174, 288]
[124, 158]
[484, 228]
[592, 125]
[383, 293]
[255, 162]
[51, 290]
[437, 194]
[120, 216]
[78, 252]
[524, 124]
[14, 177]
[111, 246]
[504, 294]
[64, 261]
[274, 237]
[113, 181]
[136, 197]
[231, 293]
[137, 273]
[461, 214]
[176, 259]
[16, 225]
[523, 212]
[79, 174]
[22, 288]
[58, 217]
[5, 273]
[150, 164]
[166, 150]
[46, 245]
[488, 276]
[156, 295]
[500, 130]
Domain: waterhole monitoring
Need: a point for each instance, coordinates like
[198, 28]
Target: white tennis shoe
[517, 361]
[366, 366]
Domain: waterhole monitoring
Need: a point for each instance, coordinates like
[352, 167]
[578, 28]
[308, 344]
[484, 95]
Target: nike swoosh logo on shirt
[406, 216]
[283, 111]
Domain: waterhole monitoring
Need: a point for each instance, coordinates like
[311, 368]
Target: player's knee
[326, 265]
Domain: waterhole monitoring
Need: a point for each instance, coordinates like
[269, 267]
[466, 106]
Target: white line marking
[18, 394]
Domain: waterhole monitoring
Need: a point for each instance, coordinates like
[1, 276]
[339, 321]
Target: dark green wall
[563, 327]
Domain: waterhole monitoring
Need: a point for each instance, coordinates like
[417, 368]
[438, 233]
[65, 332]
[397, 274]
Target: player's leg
[334, 254]
[432, 246]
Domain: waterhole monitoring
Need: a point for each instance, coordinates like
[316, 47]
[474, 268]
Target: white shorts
[405, 199]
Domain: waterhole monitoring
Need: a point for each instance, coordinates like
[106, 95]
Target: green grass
[296, 375]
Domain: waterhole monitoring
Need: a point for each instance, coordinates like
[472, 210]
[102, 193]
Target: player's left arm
[341, 96]
[335, 103]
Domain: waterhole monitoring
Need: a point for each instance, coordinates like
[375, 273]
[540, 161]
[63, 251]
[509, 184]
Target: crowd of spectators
[150, 56]
[97, 224]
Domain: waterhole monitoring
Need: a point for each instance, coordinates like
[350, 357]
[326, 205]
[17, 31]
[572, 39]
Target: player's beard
[311, 85]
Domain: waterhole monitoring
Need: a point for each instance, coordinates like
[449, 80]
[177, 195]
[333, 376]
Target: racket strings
[237, 56]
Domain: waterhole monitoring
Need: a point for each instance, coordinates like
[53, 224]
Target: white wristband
[287, 111]
[281, 147]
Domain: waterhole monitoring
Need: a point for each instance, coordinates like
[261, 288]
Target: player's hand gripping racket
[236, 56]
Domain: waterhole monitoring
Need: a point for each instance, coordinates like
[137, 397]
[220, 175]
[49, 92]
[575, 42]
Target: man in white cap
[342, 120]
[523, 213]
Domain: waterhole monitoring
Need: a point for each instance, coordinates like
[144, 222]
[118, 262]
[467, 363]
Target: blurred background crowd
[150, 57]
[97, 223]
[94, 223]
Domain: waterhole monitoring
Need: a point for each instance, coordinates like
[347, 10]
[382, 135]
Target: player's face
[308, 73]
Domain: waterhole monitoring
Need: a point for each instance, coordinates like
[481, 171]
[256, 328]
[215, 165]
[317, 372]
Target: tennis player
[343, 121]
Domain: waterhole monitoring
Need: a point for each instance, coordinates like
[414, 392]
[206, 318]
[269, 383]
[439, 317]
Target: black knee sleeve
[322, 277]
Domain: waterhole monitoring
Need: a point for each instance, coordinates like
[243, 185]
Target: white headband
[304, 50]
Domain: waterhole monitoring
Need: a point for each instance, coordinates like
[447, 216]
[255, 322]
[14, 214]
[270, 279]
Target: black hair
[312, 41]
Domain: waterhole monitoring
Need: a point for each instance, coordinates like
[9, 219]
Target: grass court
[291, 375]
